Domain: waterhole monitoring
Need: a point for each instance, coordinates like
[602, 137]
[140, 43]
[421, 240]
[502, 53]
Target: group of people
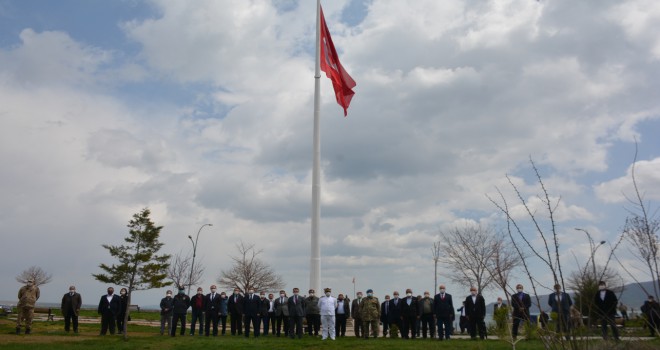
[262, 313]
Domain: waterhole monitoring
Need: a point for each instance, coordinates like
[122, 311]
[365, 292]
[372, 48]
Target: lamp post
[194, 243]
[594, 248]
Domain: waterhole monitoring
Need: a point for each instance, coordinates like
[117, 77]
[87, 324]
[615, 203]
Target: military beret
[370, 290]
[327, 290]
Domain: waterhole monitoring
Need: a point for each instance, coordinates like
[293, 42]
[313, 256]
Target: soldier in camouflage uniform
[27, 297]
[370, 313]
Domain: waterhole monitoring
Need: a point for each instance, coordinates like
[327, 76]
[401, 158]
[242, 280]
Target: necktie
[386, 305]
[281, 300]
[295, 299]
[212, 296]
[443, 296]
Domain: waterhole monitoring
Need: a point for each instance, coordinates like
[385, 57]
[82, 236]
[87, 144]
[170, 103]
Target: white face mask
[327, 294]
[212, 290]
[295, 293]
[251, 292]
[311, 294]
[122, 292]
[72, 290]
[519, 290]
[359, 296]
[200, 292]
[282, 295]
[474, 293]
[263, 296]
[408, 294]
[601, 287]
[442, 290]
[426, 295]
[169, 295]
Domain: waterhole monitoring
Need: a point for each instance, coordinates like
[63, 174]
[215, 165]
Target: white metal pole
[315, 260]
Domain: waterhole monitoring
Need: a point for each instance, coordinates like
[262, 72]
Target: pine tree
[139, 267]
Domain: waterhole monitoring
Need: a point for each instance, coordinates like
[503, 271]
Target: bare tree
[248, 271]
[179, 270]
[470, 253]
[36, 274]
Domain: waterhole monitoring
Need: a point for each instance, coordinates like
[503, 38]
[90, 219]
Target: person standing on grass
[327, 305]
[71, 303]
[296, 314]
[166, 313]
[180, 309]
[109, 306]
[342, 312]
[123, 307]
[198, 306]
[212, 309]
[606, 302]
[312, 314]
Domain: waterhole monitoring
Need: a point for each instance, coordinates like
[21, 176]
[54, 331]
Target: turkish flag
[341, 81]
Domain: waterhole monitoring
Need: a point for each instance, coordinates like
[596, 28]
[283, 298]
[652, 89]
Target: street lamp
[194, 243]
[594, 248]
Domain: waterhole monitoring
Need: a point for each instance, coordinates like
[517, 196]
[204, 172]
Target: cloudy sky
[202, 111]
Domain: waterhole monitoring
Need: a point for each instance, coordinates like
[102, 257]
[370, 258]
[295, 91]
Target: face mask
[169, 295]
[442, 290]
[387, 299]
[327, 294]
[426, 295]
[408, 294]
[250, 291]
[212, 290]
[311, 294]
[519, 290]
[181, 291]
[340, 298]
[359, 296]
[474, 293]
[224, 296]
[72, 290]
[282, 295]
[396, 296]
[263, 296]
[235, 293]
[370, 294]
[122, 292]
[295, 293]
[601, 287]
[199, 292]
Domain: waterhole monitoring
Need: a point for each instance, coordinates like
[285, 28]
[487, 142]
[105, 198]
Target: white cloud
[620, 190]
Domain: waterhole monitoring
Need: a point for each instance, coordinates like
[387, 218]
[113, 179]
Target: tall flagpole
[315, 260]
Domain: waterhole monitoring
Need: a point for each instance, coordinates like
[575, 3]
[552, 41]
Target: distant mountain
[633, 296]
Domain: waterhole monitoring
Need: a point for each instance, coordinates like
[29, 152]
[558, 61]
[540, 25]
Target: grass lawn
[51, 335]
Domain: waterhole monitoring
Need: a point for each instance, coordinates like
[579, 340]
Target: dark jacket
[296, 309]
[71, 303]
[443, 307]
[123, 305]
[264, 305]
[109, 307]
[607, 307]
[385, 312]
[166, 306]
[408, 311]
[395, 310]
[251, 306]
[563, 307]
[475, 310]
[212, 305]
[194, 302]
[421, 302]
[181, 304]
[521, 302]
[355, 309]
[235, 304]
[347, 307]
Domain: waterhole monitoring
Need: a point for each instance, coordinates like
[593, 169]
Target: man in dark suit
[235, 307]
[409, 309]
[296, 313]
[212, 308]
[444, 313]
[395, 315]
[385, 315]
[606, 302]
[251, 311]
[356, 315]
[520, 302]
[475, 310]
[282, 313]
[109, 306]
[560, 302]
[271, 314]
[71, 303]
[342, 312]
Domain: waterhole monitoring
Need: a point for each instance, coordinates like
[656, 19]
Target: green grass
[52, 336]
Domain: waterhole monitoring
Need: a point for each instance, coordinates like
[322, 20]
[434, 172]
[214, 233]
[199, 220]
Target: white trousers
[328, 326]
